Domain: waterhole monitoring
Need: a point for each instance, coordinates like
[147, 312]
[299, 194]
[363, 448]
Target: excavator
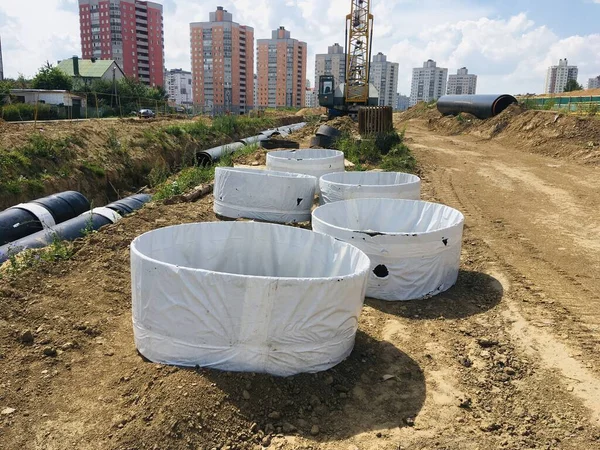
[347, 98]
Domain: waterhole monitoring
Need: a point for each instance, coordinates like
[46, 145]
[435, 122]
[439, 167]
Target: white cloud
[508, 53]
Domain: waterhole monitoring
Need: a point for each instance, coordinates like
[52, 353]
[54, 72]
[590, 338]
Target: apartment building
[384, 76]
[428, 82]
[281, 70]
[558, 76]
[331, 63]
[178, 84]
[127, 31]
[593, 83]
[463, 83]
[222, 64]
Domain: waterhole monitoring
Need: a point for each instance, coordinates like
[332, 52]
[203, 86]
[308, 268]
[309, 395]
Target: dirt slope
[542, 132]
[508, 358]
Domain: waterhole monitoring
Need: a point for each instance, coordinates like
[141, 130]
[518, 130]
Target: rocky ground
[508, 358]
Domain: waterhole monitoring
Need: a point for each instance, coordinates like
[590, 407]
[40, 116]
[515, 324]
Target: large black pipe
[207, 157]
[481, 106]
[76, 227]
[28, 218]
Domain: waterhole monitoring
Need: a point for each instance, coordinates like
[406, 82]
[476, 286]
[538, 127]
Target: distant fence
[573, 104]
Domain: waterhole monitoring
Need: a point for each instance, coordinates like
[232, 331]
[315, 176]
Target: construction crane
[356, 92]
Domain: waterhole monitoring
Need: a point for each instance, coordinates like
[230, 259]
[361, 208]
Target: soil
[140, 149]
[543, 132]
[508, 358]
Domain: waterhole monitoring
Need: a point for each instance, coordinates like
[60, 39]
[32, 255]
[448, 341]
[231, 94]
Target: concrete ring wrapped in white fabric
[245, 296]
[340, 186]
[414, 246]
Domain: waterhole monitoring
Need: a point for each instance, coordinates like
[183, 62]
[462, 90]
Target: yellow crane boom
[359, 24]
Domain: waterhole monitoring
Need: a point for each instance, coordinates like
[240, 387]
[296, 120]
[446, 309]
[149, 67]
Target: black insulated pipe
[76, 227]
[28, 218]
[130, 204]
[481, 106]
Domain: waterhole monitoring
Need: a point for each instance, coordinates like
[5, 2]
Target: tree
[573, 85]
[49, 77]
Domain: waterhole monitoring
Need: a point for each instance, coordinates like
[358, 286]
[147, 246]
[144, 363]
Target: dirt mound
[345, 124]
[311, 112]
[421, 110]
[549, 133]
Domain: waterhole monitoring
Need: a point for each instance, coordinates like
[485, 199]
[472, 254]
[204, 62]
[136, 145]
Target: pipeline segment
[76, 227]
[481, 106]
[208, 157]
[28, 218]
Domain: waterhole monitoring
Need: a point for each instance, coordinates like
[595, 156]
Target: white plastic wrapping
[263, 194]
[414, 246]
[336, 187]
[245, 296]
[307, 161]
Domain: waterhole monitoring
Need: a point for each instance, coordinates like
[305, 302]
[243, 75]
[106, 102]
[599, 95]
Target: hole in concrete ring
[381, 271]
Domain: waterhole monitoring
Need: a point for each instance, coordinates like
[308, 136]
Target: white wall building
[428, 83]
[558, 76]
[384, 76]
[48, 97]
[402, 102]
[311, 98]
[331, 63]
[178, 84]
[463, 83]
[594, 83]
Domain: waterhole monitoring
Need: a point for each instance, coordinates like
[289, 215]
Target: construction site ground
[508, 358]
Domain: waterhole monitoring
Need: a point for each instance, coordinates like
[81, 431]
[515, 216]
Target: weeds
[93, 168]
[191, 177]
[58, 250]
[113, 142]
[387, 151]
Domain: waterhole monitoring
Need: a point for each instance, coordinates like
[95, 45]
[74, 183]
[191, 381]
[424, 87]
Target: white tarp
[263, 195]
[246, 296]
[414, 246]
[307, 161]
[336, 187]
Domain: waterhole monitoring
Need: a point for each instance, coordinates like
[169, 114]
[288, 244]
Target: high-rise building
[1, 67]
[222, 64]
[281, 70]
[128, 31]
[463, 83]
[402, 102]
[384, 76]
[593, 83]
[558, 76]
[428, 83]
[178, 84]
[331, 63]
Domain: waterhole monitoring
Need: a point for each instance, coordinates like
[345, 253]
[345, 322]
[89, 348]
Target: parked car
[146, 113]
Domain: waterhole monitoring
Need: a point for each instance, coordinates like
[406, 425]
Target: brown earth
[543, 132]
[126, 150]
[508, 358]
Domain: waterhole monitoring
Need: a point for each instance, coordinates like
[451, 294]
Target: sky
[508, 44]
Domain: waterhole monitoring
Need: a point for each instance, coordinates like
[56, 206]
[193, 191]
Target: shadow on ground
[349, 399]
[474, 293]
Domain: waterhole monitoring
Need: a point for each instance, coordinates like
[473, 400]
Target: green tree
[49, 77]
[573, 85]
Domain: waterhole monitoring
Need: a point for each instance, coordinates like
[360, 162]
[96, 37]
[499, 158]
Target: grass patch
[23, 168]
[58, 250]
[191, 177]
[93, 168]
[386, 151]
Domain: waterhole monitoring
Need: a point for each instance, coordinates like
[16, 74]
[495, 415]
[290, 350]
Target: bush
[23, 111]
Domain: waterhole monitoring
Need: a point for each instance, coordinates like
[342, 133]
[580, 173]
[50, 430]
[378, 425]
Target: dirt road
[508, 358]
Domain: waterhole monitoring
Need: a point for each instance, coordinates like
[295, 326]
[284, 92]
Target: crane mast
[359, 27]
